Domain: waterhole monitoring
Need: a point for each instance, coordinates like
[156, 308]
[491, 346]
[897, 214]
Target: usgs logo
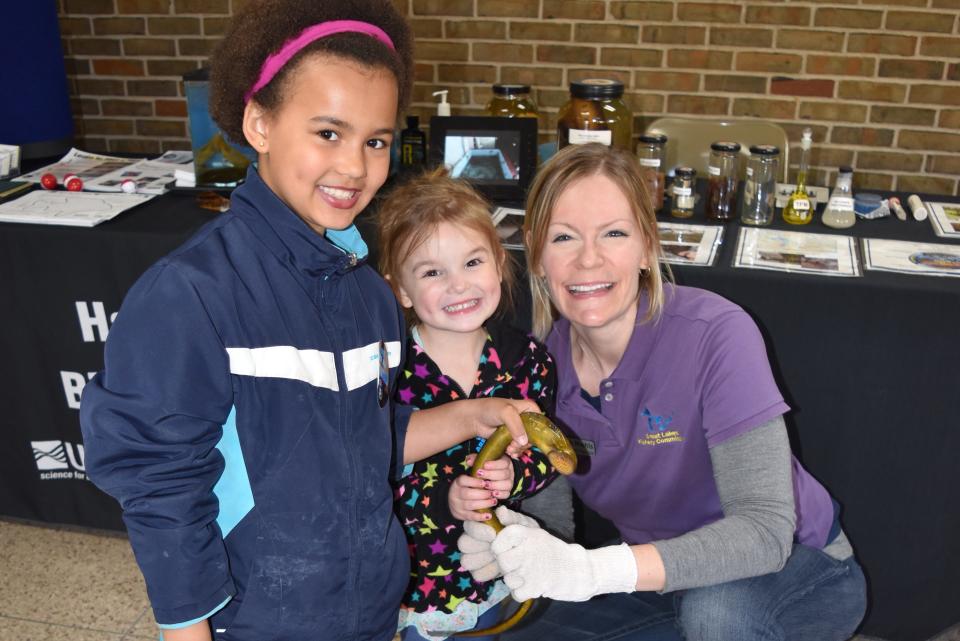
[59, 460]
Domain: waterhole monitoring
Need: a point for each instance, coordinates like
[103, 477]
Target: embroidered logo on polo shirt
[657, 432]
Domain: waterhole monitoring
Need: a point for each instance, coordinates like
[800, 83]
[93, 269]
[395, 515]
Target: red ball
[74, 184]
[48, 181]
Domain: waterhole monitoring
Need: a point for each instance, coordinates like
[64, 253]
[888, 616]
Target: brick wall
[877, 82]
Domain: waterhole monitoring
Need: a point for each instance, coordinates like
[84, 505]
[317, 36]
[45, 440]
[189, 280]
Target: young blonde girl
[444, 261]
[243, 419]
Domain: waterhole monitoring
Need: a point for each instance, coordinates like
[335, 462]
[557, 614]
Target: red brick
[87, 6]
[821, 88]
[127, 108]
[215, 26]
[881, 43]
[709, 12]
[554, 98]
[153, 88]
[75, 26]
[950, 118]
[767, 109]
[735, 84]
[540, 31]
[926, 185]
[667, 81]
[467, 73]
[570, 9]
[85, 106]
[914, 69]
[201, 6]
[787, 15]
[147, 146]
[920, 21]
[929, 140]
[739, 37]
[939, 46]
[643, 103]
[832, 112]
[429, 27]
[161, 128]
[171, 108]
[566, 53]
[196, 46]
[699, 58]
[94, 47]
[173, 26]
[830, 157]
[75, 67]
[770, 62]
[935, 94]
[176, 67]
[539, 76]
[902, 115]
[866, 180]
[808, 39]
[889, 160]
[868, 136]
[444, 51]
[712, 105]
[143, 6]
[840, 66]
[944, 164]
[675, 35]
[953, 71]
[476, 29]
[99, 87]
[873, 91]
[149, 47]
[423, 72]
[107, 126]
[642, 11]
[630, 57]
[854, 18]
[118, 67]
[119, 26]
[443, 7]
[507, 8]
[606, 33]
[502, 52]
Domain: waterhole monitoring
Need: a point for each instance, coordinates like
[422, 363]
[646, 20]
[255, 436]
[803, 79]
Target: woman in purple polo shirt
[669, 393]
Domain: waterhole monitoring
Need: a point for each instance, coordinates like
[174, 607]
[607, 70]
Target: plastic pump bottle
[443, 107]
[798, 210]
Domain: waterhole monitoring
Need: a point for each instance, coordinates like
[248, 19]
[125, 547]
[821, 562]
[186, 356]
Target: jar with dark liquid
[512, 101]
[595, 113]
[722, 175]
[651, 152]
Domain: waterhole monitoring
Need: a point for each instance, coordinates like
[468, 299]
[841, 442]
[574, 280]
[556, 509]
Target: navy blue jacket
[239, 424]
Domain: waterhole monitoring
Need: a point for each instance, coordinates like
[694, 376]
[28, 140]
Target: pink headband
[274, 63]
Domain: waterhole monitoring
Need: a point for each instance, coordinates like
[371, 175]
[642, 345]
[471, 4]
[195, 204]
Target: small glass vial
[684, 183]
[512, 101]
[651, 153]
[839, 211]
[760, 186]
[723, 170]
[595, 113]
[799, 208]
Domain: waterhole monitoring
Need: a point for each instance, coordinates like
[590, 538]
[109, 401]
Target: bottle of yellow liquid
[798, 210]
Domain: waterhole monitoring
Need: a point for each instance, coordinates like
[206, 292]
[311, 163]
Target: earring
[261, 143]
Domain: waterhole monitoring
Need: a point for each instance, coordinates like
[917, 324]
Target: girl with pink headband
[244, 417]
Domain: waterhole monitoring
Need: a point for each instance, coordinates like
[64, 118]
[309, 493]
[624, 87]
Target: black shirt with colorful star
[512, 365]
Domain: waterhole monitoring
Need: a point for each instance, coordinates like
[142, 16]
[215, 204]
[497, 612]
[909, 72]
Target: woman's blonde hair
[569, 165]
[414, 210]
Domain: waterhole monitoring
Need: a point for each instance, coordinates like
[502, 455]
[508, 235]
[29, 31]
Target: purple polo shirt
[692, 380]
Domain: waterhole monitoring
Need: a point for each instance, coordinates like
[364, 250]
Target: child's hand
[468, 494]
[490, 413]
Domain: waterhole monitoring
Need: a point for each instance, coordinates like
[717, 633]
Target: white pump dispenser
[443, 107]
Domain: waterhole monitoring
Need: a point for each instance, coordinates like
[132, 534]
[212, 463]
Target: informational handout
[906, 257]
[690, 244]
[108, 173]
[792, 251]
[945, 218]
[78, 209]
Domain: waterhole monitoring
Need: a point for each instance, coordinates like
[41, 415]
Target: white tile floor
[63, 584]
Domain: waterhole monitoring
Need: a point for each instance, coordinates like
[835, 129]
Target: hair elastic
[275, 62]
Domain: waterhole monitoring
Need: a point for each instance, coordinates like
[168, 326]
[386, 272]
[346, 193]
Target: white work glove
[475, 554]
[535, 563]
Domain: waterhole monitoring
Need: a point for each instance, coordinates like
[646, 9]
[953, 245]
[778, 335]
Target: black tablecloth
[868, 365]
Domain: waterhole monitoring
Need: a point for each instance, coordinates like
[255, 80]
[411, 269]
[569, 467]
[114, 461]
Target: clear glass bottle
[839, 212]
[651, 152]
[799, 209]
[760, 186]
[512, 101]
[684, 187]
[595, 113]
[723, 170]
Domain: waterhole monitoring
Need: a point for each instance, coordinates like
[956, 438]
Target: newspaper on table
[684, 244]
[509, 225]
[107, 173]
[74, 208]
[945, 218]
[794, 251]
[907, 257]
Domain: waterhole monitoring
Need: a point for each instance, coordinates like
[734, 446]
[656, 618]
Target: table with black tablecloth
[869, 366]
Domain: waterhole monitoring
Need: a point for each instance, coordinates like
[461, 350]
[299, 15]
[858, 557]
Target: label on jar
[682, 191]
[749, 172]
[801, 204]
[649, 162]
[842, 203]
[713, 171]
[584, 136]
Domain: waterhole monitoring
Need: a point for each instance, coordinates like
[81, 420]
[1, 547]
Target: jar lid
[765, 150]
[845, 169]
[596, 88]
[654, 139]
[864, 203]
[684, 172]
[725, 146]
[509, 90]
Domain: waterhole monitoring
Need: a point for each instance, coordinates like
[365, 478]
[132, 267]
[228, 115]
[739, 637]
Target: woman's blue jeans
[813, 598]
